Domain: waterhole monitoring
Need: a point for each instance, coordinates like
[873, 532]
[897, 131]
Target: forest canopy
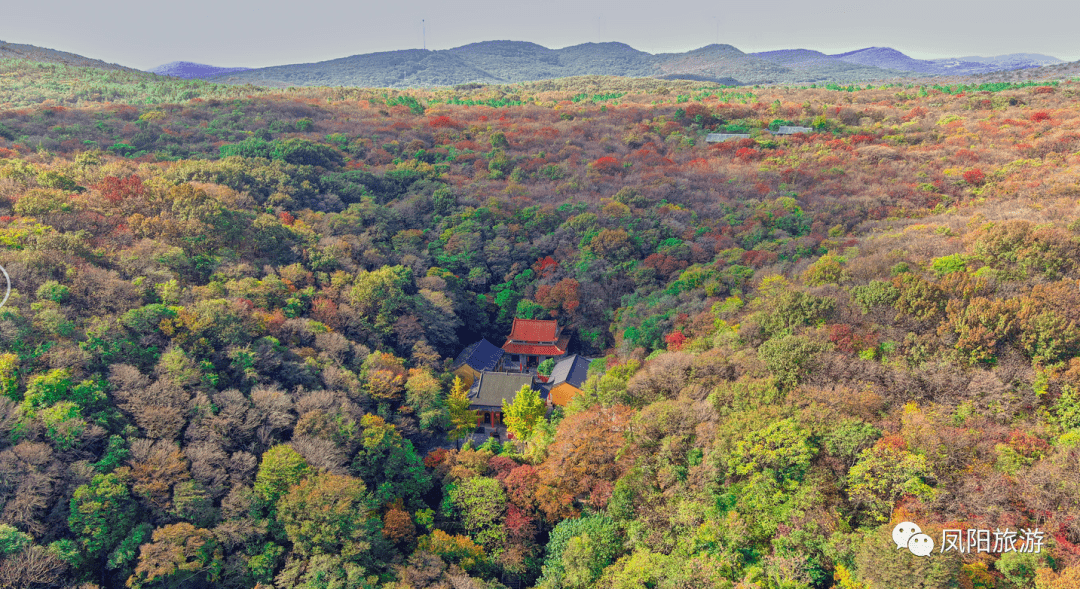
[225, 361]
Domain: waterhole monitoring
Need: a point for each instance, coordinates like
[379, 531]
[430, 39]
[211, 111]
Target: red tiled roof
[534, 330]
[532, 349]
[556, 349]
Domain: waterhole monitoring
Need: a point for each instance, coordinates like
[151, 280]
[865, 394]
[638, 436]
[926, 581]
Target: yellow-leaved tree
[462, 419]
[524, 413]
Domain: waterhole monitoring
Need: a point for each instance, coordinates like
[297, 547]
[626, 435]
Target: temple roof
[534, 330]
[573, 370]
[556, 349]
[491, 388]
[481, 355]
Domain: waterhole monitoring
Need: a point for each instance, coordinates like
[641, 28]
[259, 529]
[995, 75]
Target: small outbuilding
[721, 137]
[567, 378]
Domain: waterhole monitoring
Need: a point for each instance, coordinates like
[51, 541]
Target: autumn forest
[225, 360]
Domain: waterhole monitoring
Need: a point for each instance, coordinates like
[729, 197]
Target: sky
[144, 34]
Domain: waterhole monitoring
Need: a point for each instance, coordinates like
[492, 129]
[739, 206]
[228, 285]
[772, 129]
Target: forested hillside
[224, 362]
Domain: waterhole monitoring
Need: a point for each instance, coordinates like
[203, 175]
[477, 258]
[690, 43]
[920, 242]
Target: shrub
[607, 165]
[675, 340]
[459, 550]
[877, 292]
[788, 357]
[826, 270]
[948, 264]
[975, 177]
[53, 291]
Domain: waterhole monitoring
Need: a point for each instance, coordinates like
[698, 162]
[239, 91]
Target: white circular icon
[904, 531]
[921, 545]
[8, 292]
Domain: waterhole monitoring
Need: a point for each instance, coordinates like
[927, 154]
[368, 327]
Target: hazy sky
[144, 34]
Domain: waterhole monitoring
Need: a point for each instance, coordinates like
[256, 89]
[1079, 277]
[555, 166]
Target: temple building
[481, 356]
[491, 389]
[567, 379]
[496, 374]
[531, 341]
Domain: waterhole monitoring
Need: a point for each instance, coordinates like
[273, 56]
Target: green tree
[883, 474]
[424, 395]
[829, 269]
[12, 540]
[480, 502]
[55, 386]
[63, 424]
[281, 468]
[381, 297]
[326, 571]
[9, 376]
[51, 179]
[849, 438]
[524, 413]
[781, 450]
[607, 388]
[53, 291]
[102, 513]
[875, 293]
[787, 310]
[948, 264]
[333, 514]
[192, 502]
[578, 550]
[389, 464]
[787, 358]
[123, 557]
[528, 309]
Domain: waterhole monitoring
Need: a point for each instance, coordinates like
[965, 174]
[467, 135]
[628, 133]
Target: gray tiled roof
[481, 355]
[491, 388]
[718, 137]
[572, 370]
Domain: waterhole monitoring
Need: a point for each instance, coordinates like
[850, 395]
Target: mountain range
[502, 62]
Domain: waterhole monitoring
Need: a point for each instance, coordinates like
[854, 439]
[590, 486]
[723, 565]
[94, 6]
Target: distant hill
[886, 57]
[1057, 71]
[721, 61]
[190, 70]
[41, 54]
[1014, 61]
[815, 66]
